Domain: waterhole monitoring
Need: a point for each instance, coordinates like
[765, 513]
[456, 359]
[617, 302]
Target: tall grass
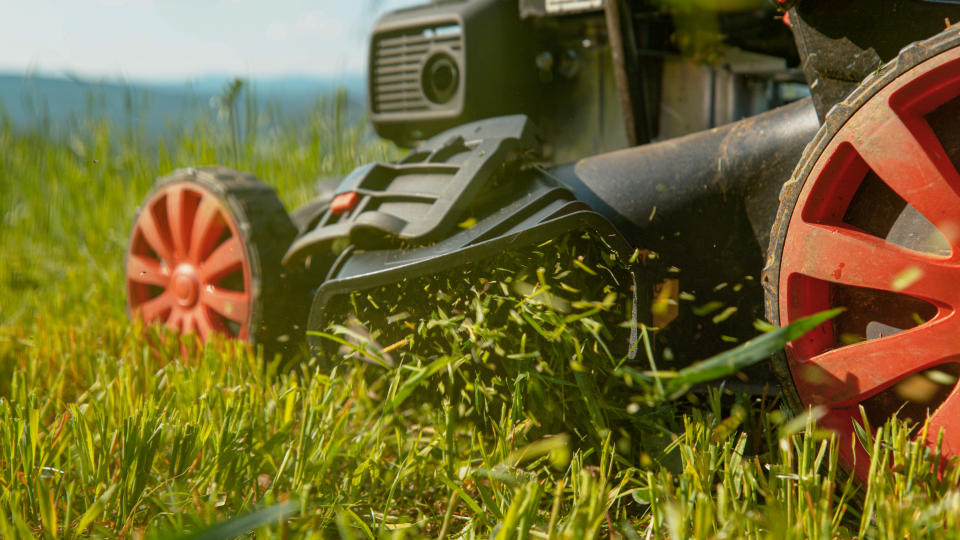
[500, 409]
[66, 202]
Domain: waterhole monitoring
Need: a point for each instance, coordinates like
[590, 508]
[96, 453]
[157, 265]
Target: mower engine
[593, 78]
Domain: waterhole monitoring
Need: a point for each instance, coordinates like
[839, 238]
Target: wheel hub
[186, 285]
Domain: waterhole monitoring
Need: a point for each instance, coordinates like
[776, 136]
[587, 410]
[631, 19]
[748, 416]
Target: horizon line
[95, 79]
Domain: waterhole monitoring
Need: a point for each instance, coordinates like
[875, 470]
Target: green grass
[498, 406]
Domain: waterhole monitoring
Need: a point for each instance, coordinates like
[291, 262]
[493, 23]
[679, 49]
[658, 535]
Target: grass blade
[751, 352]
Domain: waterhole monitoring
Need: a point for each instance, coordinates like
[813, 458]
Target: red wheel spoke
[910, 159]
[847, 256]
[945, 419]
[208, 225]
[146, 270]
[205, 325]
[154, 235]
[186, 325]
[844, 376]
[155, 308]
[228, 256]
[175, 319]
[178, 217]
[230, 304]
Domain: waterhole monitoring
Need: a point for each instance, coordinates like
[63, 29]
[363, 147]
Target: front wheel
[204, 257]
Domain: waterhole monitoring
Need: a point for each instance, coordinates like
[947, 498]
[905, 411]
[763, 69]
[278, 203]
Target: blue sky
[177, 39]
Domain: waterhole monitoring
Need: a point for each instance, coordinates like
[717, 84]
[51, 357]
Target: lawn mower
[782, 158]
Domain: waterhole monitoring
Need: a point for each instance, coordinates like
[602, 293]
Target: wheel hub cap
[186, 286]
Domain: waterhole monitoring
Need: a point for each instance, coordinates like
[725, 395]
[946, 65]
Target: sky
[167, 40]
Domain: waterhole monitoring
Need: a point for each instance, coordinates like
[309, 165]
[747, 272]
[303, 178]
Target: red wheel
[871, 221]
[204, 255]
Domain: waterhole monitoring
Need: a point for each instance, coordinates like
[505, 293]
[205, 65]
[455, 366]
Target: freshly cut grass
[468, 430]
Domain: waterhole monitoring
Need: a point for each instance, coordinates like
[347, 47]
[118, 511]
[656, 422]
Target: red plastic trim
[344, 202]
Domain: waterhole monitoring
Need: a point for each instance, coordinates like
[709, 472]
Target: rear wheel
[204, 256]
[870, 221]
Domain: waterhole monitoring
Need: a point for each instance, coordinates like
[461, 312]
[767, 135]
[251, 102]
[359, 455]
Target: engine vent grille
[396, 62]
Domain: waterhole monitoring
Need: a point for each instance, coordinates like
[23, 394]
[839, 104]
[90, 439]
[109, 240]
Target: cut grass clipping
[473, 431]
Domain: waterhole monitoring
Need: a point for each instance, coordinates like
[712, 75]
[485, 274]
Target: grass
[494, 405]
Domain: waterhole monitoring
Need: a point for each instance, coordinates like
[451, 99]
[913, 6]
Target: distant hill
[31, 100]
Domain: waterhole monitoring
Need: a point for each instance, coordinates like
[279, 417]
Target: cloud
[316, 24]
[278, 31]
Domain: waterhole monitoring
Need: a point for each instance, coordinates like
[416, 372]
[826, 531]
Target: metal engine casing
[483, 51]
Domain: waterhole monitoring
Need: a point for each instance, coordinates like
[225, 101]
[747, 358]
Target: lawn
[499, 407]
